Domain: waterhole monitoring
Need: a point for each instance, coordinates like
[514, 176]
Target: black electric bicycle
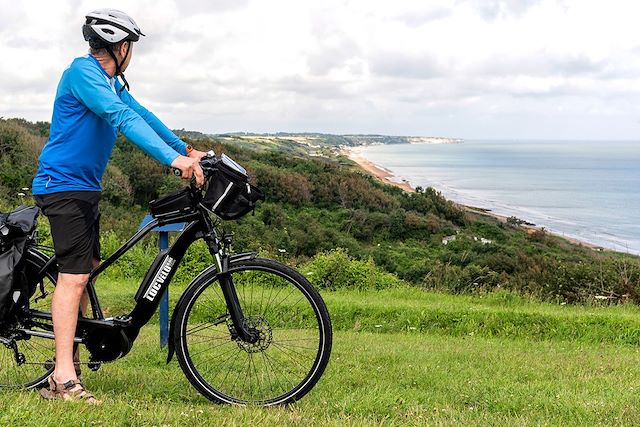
[246, 330]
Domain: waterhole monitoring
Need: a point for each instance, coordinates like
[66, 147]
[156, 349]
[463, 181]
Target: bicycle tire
[38, 352]
[305, 321]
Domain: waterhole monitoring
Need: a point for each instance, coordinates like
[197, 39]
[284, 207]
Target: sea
[587, 190]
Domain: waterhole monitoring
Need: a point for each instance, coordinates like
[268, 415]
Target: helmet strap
[119, 66]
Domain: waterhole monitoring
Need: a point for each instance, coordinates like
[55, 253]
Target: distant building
[482, 240]
[446, 240]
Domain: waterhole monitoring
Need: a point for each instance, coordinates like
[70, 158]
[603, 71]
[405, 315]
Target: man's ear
[123, 48]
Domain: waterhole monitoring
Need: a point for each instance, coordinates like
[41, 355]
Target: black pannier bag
[229, 193]
[16, 228]
[174, 203]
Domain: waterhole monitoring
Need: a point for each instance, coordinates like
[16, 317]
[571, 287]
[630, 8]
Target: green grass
[471, 360]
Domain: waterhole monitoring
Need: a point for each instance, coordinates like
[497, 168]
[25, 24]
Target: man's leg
[84, 302]
[74, 220]
[64, 310]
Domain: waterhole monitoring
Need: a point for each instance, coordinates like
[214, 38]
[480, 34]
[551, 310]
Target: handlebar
[192, 181]
[209, 155]
[203, 165]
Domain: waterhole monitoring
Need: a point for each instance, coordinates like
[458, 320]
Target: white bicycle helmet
[104, 28]
[110, 26]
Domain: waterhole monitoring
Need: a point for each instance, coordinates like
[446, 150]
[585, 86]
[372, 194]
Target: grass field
[401, 356]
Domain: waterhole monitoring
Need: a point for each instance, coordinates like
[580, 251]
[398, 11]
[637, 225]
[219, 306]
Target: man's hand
[195, 154]
[189, 166]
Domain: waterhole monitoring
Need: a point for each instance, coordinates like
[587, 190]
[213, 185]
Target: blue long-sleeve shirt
[88, 111]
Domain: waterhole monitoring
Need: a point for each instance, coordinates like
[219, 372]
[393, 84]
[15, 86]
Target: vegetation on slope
[323, 209]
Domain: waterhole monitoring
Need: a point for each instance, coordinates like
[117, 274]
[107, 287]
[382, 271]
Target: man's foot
[50, 364]
[70, 390]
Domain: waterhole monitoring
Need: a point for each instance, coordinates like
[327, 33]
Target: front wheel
[282, 307]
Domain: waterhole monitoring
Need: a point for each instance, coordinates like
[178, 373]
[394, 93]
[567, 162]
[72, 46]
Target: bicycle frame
[111, 338]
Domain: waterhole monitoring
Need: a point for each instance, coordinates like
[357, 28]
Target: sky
[473, 69]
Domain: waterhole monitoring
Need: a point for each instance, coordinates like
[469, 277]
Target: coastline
[379, 172]
[386, 176]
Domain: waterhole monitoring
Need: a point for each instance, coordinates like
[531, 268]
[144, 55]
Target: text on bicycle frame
[159, 279]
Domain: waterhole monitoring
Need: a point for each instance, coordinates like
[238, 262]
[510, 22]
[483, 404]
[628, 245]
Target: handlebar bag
[229, 193]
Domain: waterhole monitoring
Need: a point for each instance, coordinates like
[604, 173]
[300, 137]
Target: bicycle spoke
[273, 366]
[233, 361]
[279, 366]
[200, 328]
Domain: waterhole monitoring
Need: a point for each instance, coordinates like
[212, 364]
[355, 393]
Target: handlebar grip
[178, 173]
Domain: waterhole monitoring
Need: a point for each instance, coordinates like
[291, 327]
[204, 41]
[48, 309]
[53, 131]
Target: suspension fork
[235, 311]
[217, 250]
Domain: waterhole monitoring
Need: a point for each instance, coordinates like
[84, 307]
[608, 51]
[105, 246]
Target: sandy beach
[354, 153]
[375, 170]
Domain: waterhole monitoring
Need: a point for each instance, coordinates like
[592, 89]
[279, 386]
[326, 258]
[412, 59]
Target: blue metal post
[163, 241]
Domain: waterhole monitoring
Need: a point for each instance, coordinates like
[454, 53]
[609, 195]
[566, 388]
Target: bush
[455, 279]
[336, 269]
[432, 201]
[283, 186]
[134, 263]
[20, 148]
[195, 260]
[116, 187]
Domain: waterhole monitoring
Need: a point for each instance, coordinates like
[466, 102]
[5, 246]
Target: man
[91, 106]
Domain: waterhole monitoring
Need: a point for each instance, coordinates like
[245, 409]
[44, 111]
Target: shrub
[134, 263]
[20, 148]
[283, 186]
[453, 278]
[116, 187]
[336, 269]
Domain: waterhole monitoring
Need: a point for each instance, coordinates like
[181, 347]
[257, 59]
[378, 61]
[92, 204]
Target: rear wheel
[282, 308]
[26, 361]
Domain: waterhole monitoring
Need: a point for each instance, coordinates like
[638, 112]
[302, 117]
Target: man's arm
[90, 86]
[154, 122]
[160, 128]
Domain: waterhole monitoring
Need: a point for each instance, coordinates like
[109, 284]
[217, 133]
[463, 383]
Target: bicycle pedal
[94, 366]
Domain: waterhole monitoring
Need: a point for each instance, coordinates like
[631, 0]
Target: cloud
[195, 7]
[453, 67]
[402, 65]
[495, 9]
[423, 16]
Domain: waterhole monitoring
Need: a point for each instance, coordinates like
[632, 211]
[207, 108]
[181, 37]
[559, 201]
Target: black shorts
[74, 219]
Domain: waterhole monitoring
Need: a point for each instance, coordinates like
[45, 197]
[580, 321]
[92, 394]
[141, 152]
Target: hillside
[318, 201]
[323, 140]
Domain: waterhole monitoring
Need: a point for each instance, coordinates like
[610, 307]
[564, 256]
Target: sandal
[71, 390]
